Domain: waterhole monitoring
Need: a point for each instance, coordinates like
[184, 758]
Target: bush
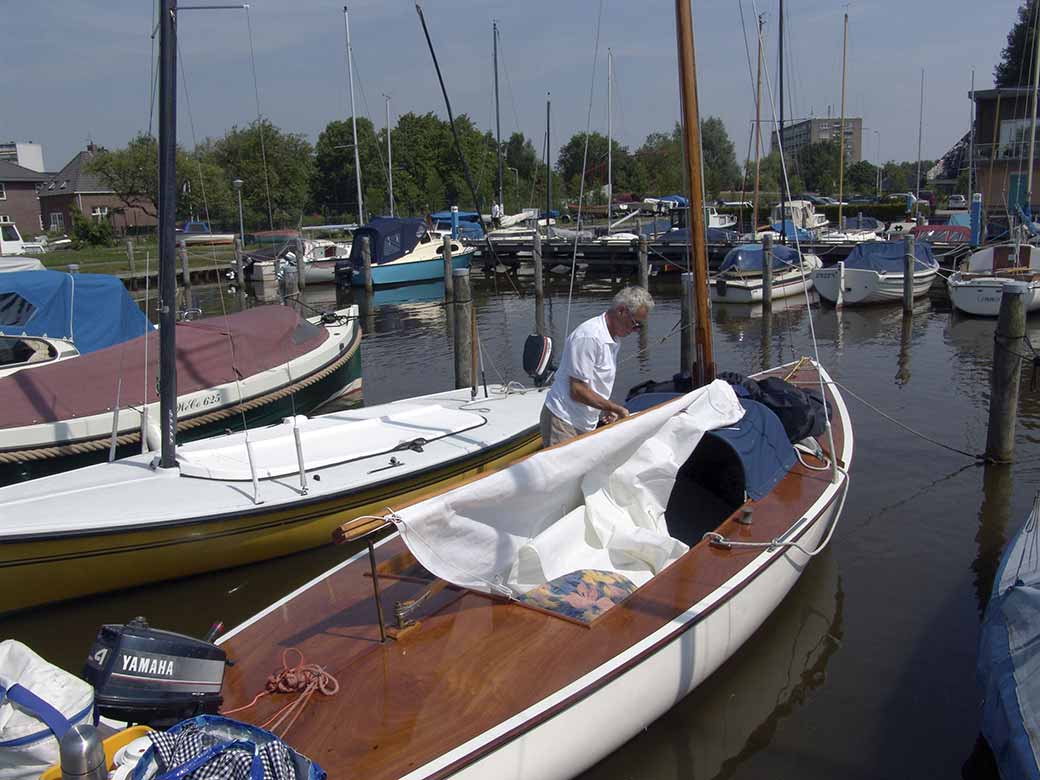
[90, 232]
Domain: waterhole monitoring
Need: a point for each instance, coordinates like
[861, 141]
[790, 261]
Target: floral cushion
[582, 595]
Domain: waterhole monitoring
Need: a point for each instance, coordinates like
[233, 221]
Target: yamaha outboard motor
[538, 362]
[143, 675]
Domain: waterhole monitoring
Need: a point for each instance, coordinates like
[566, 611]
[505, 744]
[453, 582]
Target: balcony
[1011, 151]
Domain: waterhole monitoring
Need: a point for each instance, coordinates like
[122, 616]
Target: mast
[971, 136]
[758, 126]
[167, 220]
[704, 363]
[353, 119]
[548, 171]
[610, 142]
[841, 131]
[1032, 127]
[498, 122]
[780, 130]
[920, 133]
[389, 156]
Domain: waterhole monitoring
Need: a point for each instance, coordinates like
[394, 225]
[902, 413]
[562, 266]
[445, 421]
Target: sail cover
[595, 503]
[747, 258]
[93, 311]
[388, 239]
[887, 257]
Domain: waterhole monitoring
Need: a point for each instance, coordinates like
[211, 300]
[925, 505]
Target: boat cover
[679, 200]
[1008, 667]
[210, 352]
[93, 311]
[469, 223]
[759, 440]
[747, 258]
[862, 222]
[597, 502]
[886, 257]
[20, 263]
[788, 229]
[713, 235]
[391, 238]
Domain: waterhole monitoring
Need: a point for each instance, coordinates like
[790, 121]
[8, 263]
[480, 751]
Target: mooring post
[301, 274]
[463, 337]
[767, 272]
[130, 258]
[449, 288]
[644, 263]
[182, 250]
[687, 325]
[908, 273]
[1008, 348]
[366, 262]
[539, 283]
[839, 299]
[240, 271]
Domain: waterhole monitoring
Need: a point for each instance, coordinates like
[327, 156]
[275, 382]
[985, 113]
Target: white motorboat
[739, 278]
[874, 273]
[716, 220]
[977, 288]
[801, 212]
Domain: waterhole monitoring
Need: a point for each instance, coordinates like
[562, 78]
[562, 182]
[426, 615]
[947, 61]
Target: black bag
[800, 410]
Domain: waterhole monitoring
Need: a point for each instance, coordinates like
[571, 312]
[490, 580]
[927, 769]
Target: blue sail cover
[714, 236]
[787, 227]
[391, 238]
[469, 223]
[748, 258]
[887, 257]
[93, 311]
[758, 439]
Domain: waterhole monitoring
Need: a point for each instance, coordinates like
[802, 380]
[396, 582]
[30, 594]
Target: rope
[303, 679]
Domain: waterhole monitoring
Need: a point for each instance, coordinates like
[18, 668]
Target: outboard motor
[143, 675]
[538, 362]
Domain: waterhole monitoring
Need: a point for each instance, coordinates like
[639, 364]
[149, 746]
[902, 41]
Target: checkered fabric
[176, 750]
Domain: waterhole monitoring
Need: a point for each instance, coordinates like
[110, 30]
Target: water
[867, 669]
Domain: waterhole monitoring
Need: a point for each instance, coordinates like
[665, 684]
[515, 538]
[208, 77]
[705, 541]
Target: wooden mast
[758, 127]
[167, 223]
[841, 131]
[704, 364]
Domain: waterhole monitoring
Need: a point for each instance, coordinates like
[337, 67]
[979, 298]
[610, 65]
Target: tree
[334, 185]
[1013, 68]
[660, 160]
[720, 162]
[818, 166]
[861, 177]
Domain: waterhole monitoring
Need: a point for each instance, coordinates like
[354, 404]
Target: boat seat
[581, 595]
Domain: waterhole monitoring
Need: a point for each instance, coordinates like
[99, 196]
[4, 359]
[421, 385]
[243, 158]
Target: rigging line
[152, 73]
[259, 119]
[584, 163]
[368, 115]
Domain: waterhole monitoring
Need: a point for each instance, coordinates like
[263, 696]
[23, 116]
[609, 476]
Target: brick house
[18, 200]
[74, 186]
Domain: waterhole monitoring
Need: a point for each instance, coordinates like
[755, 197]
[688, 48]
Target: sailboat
[530, 621]
[241, 497]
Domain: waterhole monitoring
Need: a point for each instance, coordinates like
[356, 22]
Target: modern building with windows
[1001, 149]
[799, 134]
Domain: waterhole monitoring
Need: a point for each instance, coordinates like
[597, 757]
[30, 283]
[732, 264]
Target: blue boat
[402, 251]
[470, 226]
[1007, 659]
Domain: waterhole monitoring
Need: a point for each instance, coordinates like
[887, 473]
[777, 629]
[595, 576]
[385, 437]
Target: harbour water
[867, 669]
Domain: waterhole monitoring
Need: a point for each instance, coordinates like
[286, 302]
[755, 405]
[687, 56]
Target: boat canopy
[944, 234]
[390, 238]
[748, 258]
[679, 200]
[887, 256]
[469, 223]
[787, 228]
[862, 222]
[93, 311]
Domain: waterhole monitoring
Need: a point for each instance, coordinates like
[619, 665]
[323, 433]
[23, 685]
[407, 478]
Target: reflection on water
[867, 668]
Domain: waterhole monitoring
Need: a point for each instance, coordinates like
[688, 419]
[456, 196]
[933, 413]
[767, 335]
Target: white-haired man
[580, 394]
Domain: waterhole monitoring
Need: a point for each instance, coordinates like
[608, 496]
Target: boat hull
[405, 271]
[749, 289]
[981, 296]
[862, 286]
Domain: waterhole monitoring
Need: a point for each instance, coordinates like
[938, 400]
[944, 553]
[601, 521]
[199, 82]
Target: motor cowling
[538, 362]
[145, 675]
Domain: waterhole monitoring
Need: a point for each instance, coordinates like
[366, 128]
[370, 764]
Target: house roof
[74, 178]
[10, 171]
[991, 94]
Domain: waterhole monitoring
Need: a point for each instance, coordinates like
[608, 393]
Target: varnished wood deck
[474, 662]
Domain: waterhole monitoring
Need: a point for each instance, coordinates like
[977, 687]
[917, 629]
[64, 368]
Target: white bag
[38, 703]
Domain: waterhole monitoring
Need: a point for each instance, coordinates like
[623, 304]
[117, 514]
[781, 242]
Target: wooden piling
[240, 271]
[767, 272]
[182, 251]
[462, 305]
[366, 262]
[644, 263]
[1008, 347]
[908, 273]
[449, 288]
[688, 323]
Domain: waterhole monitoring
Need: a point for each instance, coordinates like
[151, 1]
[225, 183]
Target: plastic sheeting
[93, 311]
[597, 502]
[887, 257]
[747, 258]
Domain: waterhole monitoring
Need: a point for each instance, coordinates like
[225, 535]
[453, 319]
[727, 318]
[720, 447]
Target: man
[496, 215]
[580, 394]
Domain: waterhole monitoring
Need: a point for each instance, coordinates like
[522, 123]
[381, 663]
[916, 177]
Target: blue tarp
[678, 200]
[469, 223]
[761, 443]
[93, 311]
[887, 256]
[714, 236]
[788, 228]
[748, 258]
[962, 218]
[390, 238]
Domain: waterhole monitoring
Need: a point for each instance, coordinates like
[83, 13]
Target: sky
[75, 72]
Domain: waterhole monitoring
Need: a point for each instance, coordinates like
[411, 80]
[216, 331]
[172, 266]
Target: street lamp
[237, 184]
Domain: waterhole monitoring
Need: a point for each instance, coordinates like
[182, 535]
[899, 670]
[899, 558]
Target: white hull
[748, 289]
[864, 286]
[980, 296]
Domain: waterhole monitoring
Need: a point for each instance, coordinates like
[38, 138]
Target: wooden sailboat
[547, 613]
[241, 497]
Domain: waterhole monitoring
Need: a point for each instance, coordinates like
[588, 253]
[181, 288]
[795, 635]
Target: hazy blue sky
[74, 71]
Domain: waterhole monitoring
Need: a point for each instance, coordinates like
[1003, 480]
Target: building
[19, 202]
[798, 135]
[76, 187]
[1002, 135]
[28, 155]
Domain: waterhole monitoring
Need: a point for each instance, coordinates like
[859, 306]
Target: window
[16, 351]
[57, 221]
[99, 212]
[392, 245]
[50, 185]
[3, 192]
[8, 232]
[14, 309]
[63, 184]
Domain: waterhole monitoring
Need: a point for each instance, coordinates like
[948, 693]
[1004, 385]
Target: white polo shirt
[589, 355]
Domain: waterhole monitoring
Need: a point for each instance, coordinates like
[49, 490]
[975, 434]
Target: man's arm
[583, 394]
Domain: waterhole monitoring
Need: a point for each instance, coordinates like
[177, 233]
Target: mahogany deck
[474, 661]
